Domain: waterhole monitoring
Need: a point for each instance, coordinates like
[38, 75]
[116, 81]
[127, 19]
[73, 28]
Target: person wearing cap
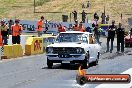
[40, 26]
[4, 32]
[16, 32]
[81, 28]
[76, 26]
[111, 34]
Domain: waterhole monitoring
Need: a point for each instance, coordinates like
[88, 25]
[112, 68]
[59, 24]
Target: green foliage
[41, 2]
[8, 1]
[3, 10]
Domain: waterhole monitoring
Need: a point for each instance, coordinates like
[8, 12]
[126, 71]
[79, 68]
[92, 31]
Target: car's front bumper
[69, 58]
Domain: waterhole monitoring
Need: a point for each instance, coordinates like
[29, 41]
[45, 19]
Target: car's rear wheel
[49, 63]
[97, 60]
[126, 45]
[130, 45]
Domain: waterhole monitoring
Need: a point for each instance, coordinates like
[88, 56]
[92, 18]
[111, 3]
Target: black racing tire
[49, 63]
[97, 60]
[130, 45]
[126, 45]
[85, 63]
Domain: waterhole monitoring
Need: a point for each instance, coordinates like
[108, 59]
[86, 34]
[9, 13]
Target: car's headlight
[80, 50]
[49, 50]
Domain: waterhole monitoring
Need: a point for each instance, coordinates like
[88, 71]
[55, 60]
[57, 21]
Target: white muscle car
[73, 47]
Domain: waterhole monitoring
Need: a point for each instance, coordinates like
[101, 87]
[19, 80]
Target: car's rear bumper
[72, 58]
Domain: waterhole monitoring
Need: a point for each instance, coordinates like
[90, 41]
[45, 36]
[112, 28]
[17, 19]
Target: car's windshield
[72, 37]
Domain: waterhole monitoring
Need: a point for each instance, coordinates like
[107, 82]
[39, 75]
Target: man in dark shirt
[4, 32]
[111, 34]
[83, 16]
[75, 15]
[120, 38]
[10, 23]
[103, 18]
[88, 4]
[96, 17]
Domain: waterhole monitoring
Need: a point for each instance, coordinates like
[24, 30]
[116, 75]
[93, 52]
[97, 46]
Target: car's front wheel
[49, 63]
[85, 62]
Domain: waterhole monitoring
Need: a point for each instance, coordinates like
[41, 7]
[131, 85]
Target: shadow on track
[67, 66]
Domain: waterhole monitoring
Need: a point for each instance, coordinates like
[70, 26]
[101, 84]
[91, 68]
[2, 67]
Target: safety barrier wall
[34, 45]
[13, 51]
[22, 40]
[29, 46]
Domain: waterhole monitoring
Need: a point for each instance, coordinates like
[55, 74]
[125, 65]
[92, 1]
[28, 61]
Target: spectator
[46, 26]
[76, 26]
[130, 32]
[83, 6]
[4, 32]
[83, 16]
[88, 4]
[81, 28]
[120, 38]
[96, 33]
[88, 29]
[10, 23]
[40, 26]
[93, 25]
[96, 17]
[75, 15]
[107, 19]
[111, 34]
[61, 28]
[103, 18]
[16, 32]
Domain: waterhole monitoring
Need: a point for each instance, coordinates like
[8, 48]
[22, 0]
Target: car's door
[92, 48]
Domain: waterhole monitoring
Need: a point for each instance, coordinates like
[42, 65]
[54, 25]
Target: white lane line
[129, 85]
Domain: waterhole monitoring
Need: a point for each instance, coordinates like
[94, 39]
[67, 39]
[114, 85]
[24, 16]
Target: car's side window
[91, 39]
